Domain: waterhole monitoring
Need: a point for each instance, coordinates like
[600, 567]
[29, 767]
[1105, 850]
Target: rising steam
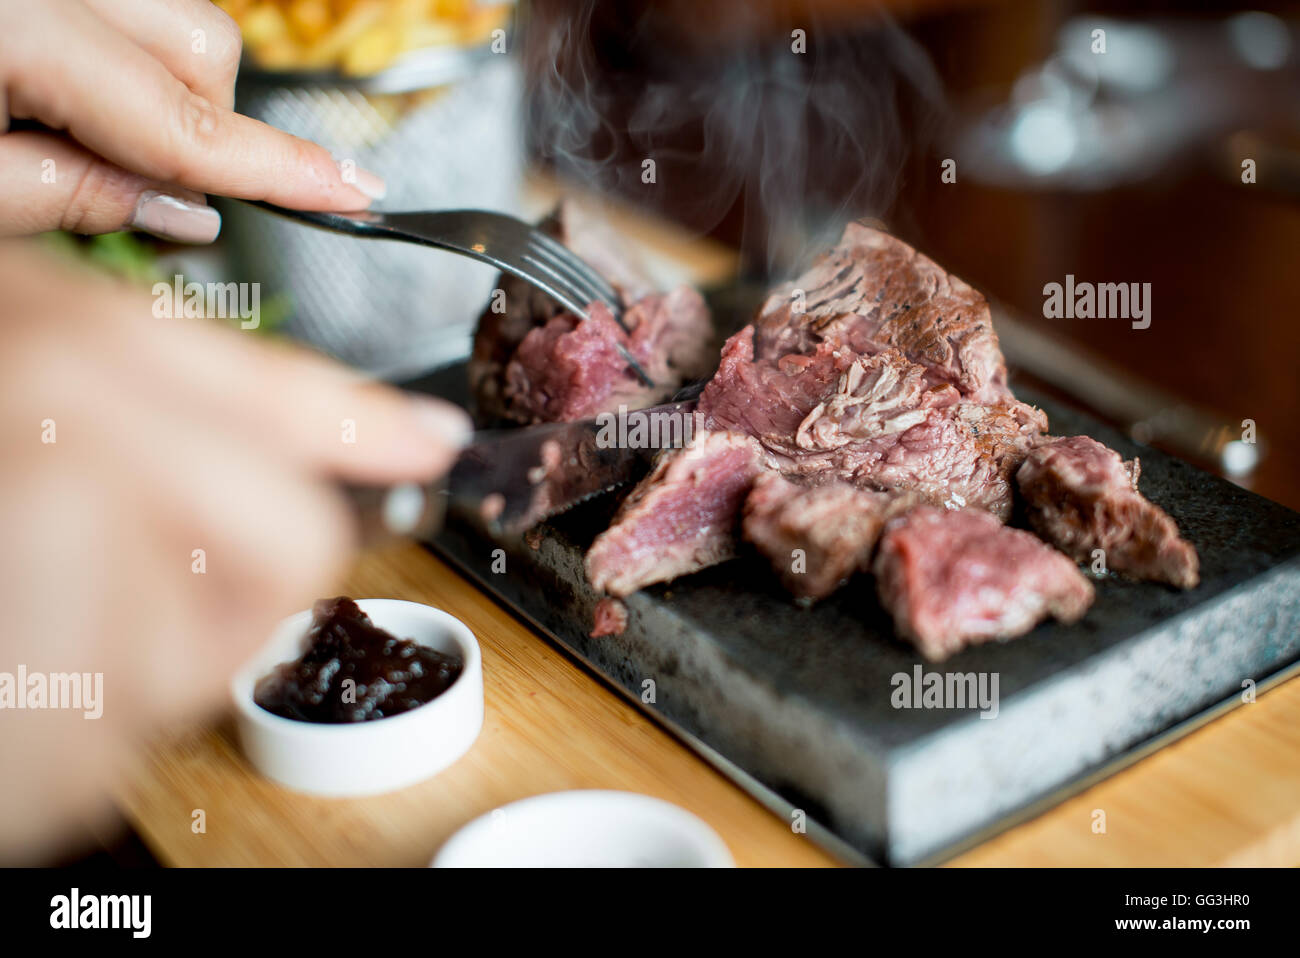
[802, 141]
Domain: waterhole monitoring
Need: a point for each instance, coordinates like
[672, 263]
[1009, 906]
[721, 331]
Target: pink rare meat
[957, 578]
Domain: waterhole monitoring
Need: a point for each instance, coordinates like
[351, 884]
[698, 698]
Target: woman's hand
[142, 92]
[167, 495]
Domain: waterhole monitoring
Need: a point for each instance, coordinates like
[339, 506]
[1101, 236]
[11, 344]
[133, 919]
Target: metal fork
[509, 244]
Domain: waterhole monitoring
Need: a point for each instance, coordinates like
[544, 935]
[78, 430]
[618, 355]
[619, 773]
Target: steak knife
[511, 479]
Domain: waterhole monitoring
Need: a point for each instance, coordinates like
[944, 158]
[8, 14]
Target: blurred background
[1015, 143]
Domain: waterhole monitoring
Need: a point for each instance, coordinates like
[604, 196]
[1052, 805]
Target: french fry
[263, 24]
[311, 19]
[236, 9]
[327, 51]
[279, 55]
[410, 11]
[452, 9]
[431, 34]
[359, 37]
[372, 51]
[478, 27]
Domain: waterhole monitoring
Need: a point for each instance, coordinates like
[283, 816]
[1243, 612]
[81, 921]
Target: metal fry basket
[442, 127]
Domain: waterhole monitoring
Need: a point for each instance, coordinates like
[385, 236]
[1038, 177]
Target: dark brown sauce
[388, 675]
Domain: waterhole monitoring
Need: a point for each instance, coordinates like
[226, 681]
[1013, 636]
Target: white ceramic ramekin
[364, 758]
[586, 829]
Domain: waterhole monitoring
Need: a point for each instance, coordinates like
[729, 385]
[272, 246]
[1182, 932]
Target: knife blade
[511, 479]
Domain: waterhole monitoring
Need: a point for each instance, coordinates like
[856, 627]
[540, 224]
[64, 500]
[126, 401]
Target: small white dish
[586, 829]
[364, 758]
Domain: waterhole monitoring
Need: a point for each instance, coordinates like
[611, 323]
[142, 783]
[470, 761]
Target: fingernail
[442, 421]
[172, 218]
[361, 179]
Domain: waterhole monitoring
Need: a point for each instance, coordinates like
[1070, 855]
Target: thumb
[52, 183]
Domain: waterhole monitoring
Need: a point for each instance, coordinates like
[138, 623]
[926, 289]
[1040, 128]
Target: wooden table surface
[1228, 794]
[549, 726]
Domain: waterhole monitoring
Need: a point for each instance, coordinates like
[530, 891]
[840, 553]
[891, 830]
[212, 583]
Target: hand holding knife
[512, 479]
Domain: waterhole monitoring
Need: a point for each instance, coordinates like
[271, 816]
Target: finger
[243, 536]
[329, 417]
[193, 39]
[240, 538]
[147, 501]
[52, 183]
[296, 403]
[163, 130]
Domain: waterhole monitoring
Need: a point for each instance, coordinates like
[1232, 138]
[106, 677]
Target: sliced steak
[816, 537]
[515, 308]
[571, 369]
[873, 292]
[534, 362]
[769, 399]
[964, 455]
[497, 337]
[876, 369]
[566, 370]
[953, 578]
[681, 518]
[874, 421]
[609, 618]
[1081, 496]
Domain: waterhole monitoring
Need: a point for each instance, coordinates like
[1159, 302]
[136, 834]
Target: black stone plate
[796, 703]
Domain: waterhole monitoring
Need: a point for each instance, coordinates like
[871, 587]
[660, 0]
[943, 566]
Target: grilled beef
[953, 578]
[816, 537]
[873, 292]
[871, 421]
[870, 393]
[681, 518]
[571, 369]
[533, 362]
[1081, 497]
[609, 618]
[883, 373]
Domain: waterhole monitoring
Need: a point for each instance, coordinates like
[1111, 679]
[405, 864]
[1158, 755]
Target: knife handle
[405, 511]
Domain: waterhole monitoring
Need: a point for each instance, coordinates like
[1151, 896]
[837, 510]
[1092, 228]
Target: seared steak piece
[873, 292]
[1081, 497]
[610, 618]
[875, 369]
[504, 323]
[833, 527]
[953, 578]
[571, 369]
[681, 518]
[532, 362]
[874, 421]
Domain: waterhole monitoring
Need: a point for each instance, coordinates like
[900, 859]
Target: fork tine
[565, 265]
[578, 266]
[588, 296]
[503, 241]
[562, 288]
[637, 370]
[499, 238]
[512, 241]
[571, 276]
